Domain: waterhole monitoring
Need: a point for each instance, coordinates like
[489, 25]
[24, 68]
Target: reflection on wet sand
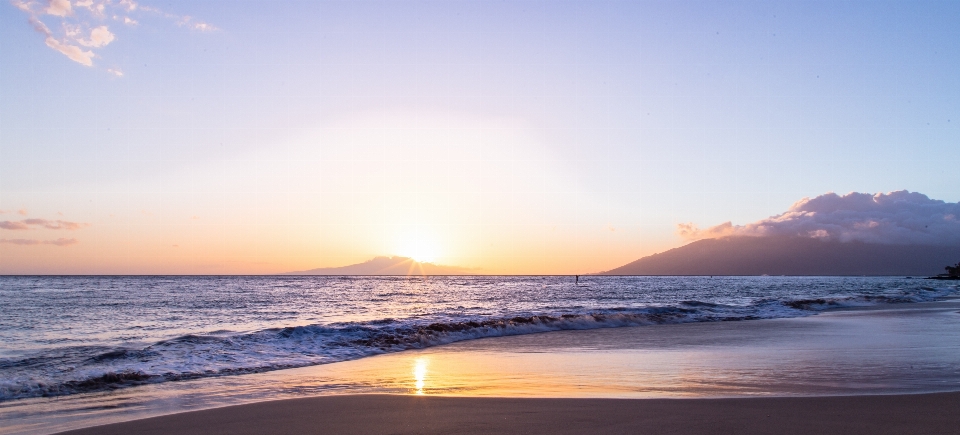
[419, 373]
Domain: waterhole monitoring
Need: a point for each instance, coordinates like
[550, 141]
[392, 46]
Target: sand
[395, 414]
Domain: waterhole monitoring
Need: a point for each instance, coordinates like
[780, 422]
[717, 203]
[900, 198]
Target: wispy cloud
[27, 224]
[900, 217]
[188, 21]
[58, 242]
[12, 225]
[76, 29]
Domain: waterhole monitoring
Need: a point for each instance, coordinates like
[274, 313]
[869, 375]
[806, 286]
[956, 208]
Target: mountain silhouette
[389, 266]
[792, 256]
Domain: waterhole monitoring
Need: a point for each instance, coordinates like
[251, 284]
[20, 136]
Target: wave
[84, 369]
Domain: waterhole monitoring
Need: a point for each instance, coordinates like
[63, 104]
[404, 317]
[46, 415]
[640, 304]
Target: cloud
[22, 5]
[60, 8]
[690, 231]
[73, 52]
[59, 242]
[22, 212]
[82, 27]
[27, 224]
[99, 37]
[11, 225]
[204, 27]
[55, 225]
[188, 21]
[896, 218]
[95, 8]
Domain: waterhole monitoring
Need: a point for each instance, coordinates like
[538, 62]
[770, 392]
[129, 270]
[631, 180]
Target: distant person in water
[578, 280]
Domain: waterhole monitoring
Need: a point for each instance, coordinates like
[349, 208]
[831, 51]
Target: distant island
[953, 273]
[389, 266]
[745, 255]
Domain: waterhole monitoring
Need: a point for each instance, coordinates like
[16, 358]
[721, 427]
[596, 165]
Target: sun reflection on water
[419, 373]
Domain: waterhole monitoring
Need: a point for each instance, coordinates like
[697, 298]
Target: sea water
[71, 335]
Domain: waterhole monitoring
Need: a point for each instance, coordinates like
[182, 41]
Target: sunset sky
[510, 136]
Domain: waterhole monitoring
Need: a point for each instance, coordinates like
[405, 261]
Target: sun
[420, 249]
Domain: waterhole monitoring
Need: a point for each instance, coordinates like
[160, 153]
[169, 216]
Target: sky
[516, 137]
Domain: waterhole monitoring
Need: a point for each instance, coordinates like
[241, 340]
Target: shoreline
[153, 357]
[363, 414]
[900, 350]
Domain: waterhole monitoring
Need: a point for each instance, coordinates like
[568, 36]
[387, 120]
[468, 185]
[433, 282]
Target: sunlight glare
[420, 248]
[419, 373]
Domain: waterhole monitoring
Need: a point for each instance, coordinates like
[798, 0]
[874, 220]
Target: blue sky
[517, 137]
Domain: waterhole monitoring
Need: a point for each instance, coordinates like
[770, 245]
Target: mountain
[389, 266]
[746, 255]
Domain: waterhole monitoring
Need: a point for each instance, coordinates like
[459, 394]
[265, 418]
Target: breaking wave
[80, 369]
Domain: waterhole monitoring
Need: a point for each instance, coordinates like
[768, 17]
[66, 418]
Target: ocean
[63, 336]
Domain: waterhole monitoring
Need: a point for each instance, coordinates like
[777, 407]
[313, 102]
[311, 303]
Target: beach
[479, 217]
[385, 414]
[890, 368]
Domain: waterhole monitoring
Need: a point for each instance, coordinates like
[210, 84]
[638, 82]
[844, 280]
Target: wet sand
[386, 414]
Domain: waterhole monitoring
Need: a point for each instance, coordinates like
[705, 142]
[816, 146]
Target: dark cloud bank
[898, 233]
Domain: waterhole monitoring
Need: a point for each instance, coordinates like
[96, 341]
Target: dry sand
[394, 414]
